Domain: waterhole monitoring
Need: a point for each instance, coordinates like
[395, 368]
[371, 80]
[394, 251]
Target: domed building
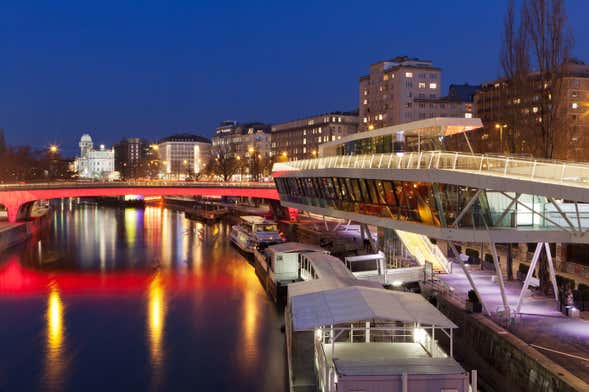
[96, 164]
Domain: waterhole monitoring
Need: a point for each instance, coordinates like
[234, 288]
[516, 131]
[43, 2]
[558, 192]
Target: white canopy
[293, 247]
[356, 303]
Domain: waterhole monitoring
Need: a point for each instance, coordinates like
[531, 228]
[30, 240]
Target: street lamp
[53, 148]
[501, 127]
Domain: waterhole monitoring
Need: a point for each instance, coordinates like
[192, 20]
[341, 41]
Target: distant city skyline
[118, 70]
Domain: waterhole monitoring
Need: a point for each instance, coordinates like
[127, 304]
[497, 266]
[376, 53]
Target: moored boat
[278, 265]
[255, 232]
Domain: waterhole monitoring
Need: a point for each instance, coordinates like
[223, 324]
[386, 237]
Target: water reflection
[136, 300]
[54, 345]
[156, 315]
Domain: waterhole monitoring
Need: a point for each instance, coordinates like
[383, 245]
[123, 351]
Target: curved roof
[85, 138]
[357, 303]
[185, 137]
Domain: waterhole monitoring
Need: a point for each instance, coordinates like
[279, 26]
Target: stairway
[423, 250]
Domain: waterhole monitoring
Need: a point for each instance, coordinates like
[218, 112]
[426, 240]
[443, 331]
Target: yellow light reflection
[54, 361]
[251, 312]
[156, 315]
[131, 225]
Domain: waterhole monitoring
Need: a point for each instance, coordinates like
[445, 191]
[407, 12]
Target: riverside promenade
[558, 339]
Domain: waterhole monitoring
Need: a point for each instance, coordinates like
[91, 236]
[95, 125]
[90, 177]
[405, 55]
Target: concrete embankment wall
[503, 361]
[15, 234]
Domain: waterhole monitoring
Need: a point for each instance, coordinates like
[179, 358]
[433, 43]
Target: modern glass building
[441, 194]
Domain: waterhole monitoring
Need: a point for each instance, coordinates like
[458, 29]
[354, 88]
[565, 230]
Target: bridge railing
[134, 184]
[536, 169]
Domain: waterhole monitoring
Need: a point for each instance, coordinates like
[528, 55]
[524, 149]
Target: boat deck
[388, 359]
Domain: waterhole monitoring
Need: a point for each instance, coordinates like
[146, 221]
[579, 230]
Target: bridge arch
[14, 199]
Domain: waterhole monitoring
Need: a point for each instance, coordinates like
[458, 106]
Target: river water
[114, 299]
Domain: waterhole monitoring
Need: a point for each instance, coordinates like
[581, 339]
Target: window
[433, 76]
[433, 86]
[421, 84]
[421, 75]
[409, 85]
[385, 77]
[408, 74]
[535, 109]
[575, 105]
[365, 102]
[467, 115]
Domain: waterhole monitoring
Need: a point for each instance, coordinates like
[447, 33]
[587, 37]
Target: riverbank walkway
[540, 324]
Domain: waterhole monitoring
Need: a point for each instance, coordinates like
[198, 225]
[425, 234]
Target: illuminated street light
[501, 127]
[53, 149]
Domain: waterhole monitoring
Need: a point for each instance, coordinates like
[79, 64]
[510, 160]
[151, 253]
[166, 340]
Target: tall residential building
[183, 155]
[407, 89]
[300, 139]
[238, 139]
[511, 119]
[98, 164]
[2, 141]
[133, 158]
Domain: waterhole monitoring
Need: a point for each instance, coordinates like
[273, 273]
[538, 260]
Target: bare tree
[550, 42]
[534, 110]
[223, 165]
[515, 64]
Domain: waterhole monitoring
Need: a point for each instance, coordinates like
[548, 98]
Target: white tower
[86, 145]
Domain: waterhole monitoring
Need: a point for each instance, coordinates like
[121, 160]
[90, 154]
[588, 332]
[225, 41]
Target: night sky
[152, 68]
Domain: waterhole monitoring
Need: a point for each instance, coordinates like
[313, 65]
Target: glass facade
[428, 203]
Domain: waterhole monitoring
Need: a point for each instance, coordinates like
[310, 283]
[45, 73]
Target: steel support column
[500, 276]
[551, 271]
[467, 274]
[529, 275]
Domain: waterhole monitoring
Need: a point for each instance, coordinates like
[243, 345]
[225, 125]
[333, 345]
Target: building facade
[239, 139]
[511, 118]
[300, 139]
[407, 89]
[183, 155]
[96, 164]
[131, 157]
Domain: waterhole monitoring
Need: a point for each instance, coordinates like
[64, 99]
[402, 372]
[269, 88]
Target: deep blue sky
[151, 68]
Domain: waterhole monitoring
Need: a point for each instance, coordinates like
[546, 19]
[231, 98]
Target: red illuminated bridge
[15, 197]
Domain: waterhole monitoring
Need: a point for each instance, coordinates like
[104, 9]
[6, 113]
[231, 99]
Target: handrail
[504, 166]
[135, 184]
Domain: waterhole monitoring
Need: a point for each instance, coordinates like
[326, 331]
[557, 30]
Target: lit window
[467, 115]
[365, 92]
[433, 86]
[365, 120]
[365, 102]
[408, 74]
[421, 84]
[385, 77]
[535, 109]
[575, 105]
